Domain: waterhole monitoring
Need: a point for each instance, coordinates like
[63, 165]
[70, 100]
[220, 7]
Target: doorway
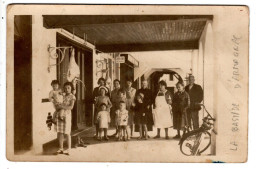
[82, 111]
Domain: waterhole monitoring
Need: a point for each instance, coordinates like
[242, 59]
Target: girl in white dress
[103, 118]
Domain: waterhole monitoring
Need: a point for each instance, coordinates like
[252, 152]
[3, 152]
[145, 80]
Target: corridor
[151, 150]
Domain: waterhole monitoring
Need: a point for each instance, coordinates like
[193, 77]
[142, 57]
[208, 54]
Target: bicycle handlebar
[211, 118]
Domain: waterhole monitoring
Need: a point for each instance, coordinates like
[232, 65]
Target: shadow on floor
[87, 137]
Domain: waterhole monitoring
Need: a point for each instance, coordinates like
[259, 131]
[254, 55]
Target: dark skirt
[179, 119]
[113, 117]
[150, 122]
[140, 119]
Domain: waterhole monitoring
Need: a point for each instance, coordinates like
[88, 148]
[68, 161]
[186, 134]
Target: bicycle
[190, 143]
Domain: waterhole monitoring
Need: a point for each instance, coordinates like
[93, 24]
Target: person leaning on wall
[196, 96]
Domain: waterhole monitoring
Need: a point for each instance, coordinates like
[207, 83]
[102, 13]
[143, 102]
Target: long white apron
[162, 113]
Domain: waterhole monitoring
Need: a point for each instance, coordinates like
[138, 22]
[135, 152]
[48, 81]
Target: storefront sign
[120, 59]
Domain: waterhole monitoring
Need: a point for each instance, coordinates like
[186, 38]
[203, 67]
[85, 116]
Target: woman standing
[163, 117]
[114, 98]
[181, 102]
[130, 96]
[63, 127]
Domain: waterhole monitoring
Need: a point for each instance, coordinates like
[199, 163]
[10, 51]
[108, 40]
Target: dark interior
[22, 83]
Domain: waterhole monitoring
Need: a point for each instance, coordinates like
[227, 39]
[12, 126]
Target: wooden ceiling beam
[148, 47]
[62, 21]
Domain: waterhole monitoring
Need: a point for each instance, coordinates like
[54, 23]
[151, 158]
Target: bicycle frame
[205, 127]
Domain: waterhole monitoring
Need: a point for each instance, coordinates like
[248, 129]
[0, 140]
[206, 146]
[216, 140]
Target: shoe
[124, 138]
[95, 137]
[177, 137]
[60, 151]
[113, 135]
[157, 136]
[106, 138]
[118, 139]
[167, 137]
[66, 152]
[99, 139]
[140, 137]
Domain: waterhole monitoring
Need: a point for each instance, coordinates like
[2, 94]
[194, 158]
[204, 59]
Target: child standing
[100, 100]
[122, 120]
[120, 97]
[181, 102]
[141, 115]
[56, 97]
[103, 118]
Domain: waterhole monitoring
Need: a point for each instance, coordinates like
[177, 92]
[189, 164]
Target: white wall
[41, 80]
[216, 50]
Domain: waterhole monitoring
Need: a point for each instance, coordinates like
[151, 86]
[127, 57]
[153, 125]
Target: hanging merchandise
[73, 69]
[73, 73]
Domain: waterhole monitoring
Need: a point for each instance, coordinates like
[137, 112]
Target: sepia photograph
[127, 83]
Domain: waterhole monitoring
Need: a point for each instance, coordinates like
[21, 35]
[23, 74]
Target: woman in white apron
[162, 112]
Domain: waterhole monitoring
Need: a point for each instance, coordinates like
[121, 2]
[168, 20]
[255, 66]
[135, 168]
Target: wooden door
[83, 58]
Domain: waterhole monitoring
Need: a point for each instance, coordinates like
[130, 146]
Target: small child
[56, 97]
[103, 118]
[120, 97]
[122, 120]
[102, 98]
[141, 115]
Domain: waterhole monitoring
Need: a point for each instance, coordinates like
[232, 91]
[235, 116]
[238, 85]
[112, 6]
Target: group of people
[122, 108]
[126, 109]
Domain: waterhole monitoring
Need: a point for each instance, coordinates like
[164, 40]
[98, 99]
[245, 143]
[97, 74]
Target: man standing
[147, 100]
[196, 96]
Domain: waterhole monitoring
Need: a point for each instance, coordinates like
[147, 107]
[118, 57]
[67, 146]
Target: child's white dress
[56, 97]
[122, 117]
[103, 118]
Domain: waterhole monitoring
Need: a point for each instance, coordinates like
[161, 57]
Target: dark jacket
[148, 99]
[196, 96]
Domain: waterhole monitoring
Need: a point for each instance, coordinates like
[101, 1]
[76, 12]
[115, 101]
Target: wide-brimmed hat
[103, 87]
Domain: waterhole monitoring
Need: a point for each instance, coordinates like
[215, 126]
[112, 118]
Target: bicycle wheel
[207, 135]
[191, 143]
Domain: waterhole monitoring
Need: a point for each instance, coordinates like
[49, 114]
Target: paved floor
[151, 150]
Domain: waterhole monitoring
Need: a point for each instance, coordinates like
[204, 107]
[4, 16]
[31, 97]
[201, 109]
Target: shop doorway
[81, 113]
